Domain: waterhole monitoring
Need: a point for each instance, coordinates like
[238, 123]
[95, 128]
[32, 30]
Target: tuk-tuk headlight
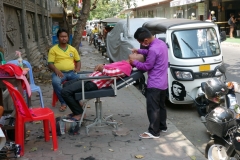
[183, 75]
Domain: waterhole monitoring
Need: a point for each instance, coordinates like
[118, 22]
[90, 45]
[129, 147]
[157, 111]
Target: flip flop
[62, 108]
[149, 136]
[69, 115]
[70, 120]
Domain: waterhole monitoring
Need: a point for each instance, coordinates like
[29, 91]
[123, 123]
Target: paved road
[185, 117]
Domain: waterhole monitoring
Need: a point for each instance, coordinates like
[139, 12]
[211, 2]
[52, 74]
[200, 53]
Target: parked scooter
[222, 117]
[95, 40]
[225, 135]
[218, 93]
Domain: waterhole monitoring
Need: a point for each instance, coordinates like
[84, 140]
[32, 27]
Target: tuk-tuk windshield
[195, 43]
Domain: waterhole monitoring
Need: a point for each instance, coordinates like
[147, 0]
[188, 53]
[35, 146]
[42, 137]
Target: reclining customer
[117, 69]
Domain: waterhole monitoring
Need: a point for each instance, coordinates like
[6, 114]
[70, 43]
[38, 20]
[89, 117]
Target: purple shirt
[156, 64]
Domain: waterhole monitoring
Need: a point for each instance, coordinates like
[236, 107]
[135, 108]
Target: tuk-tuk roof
[111, 20]
[161, 25]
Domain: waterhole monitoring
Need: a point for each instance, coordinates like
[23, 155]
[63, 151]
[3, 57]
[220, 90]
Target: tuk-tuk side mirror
[222, 68]
[222, 36]
[122, 37]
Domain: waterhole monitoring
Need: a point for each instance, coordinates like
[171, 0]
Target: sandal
[69, 115]
[71, 120]
[62, 108]
[147, 135]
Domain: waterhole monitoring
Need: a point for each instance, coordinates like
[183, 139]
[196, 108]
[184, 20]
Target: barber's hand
[58, 73]
[134, 50]
[99, 68]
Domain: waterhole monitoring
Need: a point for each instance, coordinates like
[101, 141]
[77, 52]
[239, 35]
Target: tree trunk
[66, 23]
[81, 23]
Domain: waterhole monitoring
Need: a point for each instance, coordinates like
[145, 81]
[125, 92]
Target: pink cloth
[123, 66]
[14, 70]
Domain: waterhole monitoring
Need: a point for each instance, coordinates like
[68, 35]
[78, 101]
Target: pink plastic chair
[24, 114]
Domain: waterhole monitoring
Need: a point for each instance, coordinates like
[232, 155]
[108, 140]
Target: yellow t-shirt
[95, 31]
[63, 60]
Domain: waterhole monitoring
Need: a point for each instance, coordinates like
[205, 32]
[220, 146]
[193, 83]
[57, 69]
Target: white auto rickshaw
[194, 54]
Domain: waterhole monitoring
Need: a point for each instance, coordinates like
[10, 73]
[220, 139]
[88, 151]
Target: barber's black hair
[142, 33]
[61, 30]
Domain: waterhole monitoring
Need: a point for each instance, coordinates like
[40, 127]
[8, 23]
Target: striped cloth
[112, 72]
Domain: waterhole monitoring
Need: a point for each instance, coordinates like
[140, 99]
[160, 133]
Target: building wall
[25, 26]
[163, 9]
[224, 8]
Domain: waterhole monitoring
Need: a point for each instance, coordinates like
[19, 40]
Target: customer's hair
[231, 14]
[60, 31]
[142, 33]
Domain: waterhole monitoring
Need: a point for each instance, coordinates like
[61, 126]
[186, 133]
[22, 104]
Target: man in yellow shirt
[94, 31]
[64, 61]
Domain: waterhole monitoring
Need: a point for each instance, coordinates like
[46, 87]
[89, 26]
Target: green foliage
[106, 9]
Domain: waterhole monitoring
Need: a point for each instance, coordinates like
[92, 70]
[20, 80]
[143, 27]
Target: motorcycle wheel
[215, 150]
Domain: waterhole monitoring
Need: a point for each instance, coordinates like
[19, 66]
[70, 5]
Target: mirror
[121, 37]
[222, 68]
[223, 36]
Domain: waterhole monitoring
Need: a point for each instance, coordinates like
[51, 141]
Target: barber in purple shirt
[156, 65]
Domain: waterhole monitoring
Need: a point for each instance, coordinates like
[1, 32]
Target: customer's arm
[112, 72]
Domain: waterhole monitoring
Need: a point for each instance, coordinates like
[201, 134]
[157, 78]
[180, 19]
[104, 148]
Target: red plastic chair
[54, 97]
[24, 114]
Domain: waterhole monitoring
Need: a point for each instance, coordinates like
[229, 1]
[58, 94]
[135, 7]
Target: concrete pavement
[129, 109]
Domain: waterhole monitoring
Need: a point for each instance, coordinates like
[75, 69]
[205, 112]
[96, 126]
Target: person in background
[94, 31]
[232, 24]
[88, 32]
[156, 65]
[64, 61]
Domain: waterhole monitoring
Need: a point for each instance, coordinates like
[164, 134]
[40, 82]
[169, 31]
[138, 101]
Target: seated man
[64, 61]
[117, 69]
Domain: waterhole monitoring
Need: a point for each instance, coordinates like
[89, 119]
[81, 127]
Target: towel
[123, 66]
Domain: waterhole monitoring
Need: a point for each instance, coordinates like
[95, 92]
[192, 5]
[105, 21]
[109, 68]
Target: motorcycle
[218, 91]
[95, 40]
[218, 101]
[224, 128]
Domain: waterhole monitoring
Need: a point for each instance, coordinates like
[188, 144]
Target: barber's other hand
[59, 73]
[99, 68]
[134, 50]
